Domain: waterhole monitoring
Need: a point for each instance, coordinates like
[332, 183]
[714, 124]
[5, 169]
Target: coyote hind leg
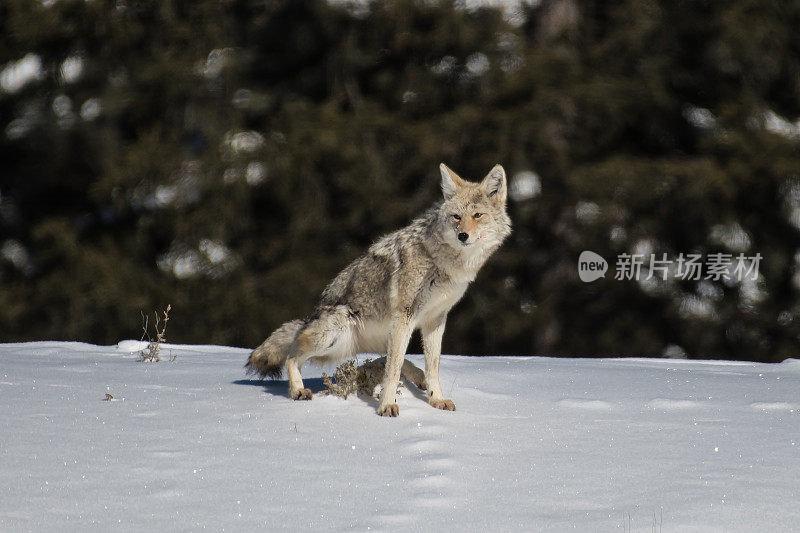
[297, 390]
[328, 335]
[410, 371]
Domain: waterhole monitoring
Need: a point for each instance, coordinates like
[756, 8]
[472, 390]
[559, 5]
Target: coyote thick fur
[407, 280]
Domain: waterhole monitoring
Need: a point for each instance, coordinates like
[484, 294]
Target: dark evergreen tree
[230, 157]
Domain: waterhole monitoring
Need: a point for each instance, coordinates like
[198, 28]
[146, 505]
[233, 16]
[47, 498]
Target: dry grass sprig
[152, 354]
[350, 378]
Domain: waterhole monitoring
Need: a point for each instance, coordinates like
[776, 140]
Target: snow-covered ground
[536, 444]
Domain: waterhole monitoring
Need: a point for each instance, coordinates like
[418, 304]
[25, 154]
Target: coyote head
[474, 214]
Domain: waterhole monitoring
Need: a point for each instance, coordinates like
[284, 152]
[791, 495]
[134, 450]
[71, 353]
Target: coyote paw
[302, 394]
[389, 410]
[445, 405]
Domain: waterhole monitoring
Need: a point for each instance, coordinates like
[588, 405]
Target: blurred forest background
[229, 157]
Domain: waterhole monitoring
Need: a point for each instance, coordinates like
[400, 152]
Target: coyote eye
[456, 217]
[476, 216]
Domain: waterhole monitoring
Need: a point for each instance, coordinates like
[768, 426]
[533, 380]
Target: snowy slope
[536, 444]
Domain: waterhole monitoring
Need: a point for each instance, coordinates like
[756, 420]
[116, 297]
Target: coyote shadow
[280, 387]
[316, 385]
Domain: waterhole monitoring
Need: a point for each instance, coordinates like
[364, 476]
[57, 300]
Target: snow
[17, 74]
[536, 444]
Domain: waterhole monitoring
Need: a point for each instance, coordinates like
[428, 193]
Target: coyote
[408, 280]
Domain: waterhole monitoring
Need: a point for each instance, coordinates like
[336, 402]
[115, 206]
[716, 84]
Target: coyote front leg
[398, 343]
[432, 345]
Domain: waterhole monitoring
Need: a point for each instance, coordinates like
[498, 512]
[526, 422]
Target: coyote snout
[408, 280]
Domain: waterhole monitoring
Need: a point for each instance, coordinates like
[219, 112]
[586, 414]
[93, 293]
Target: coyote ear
[451, 182]
[494, 184]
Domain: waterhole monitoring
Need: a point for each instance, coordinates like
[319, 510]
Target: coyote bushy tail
[268, 359]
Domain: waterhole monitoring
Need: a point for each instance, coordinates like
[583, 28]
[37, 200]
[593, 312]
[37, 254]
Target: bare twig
[153, 352]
